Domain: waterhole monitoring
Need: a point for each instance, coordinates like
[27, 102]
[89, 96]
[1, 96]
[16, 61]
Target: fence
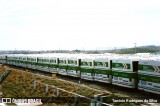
[96, 101]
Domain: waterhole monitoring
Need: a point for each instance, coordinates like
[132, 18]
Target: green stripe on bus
[46, 64]
[124, 74]
[120, 65]
[88, 70]
[43, 64]
[62, 67]
[53, 66]
[102, 71]
[34, 63]
[150, 78]
[73, 68]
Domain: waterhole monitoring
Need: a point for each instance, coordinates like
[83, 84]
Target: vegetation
[140, 49]
[133, 50]
[21, 84]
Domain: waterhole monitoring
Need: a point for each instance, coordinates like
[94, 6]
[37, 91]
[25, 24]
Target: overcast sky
[78, 24]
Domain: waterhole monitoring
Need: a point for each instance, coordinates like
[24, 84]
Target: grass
[21, 84]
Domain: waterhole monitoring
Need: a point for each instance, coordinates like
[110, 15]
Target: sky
[78, 24]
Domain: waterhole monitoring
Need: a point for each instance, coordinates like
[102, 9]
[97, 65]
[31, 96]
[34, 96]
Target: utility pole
[135, 48]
